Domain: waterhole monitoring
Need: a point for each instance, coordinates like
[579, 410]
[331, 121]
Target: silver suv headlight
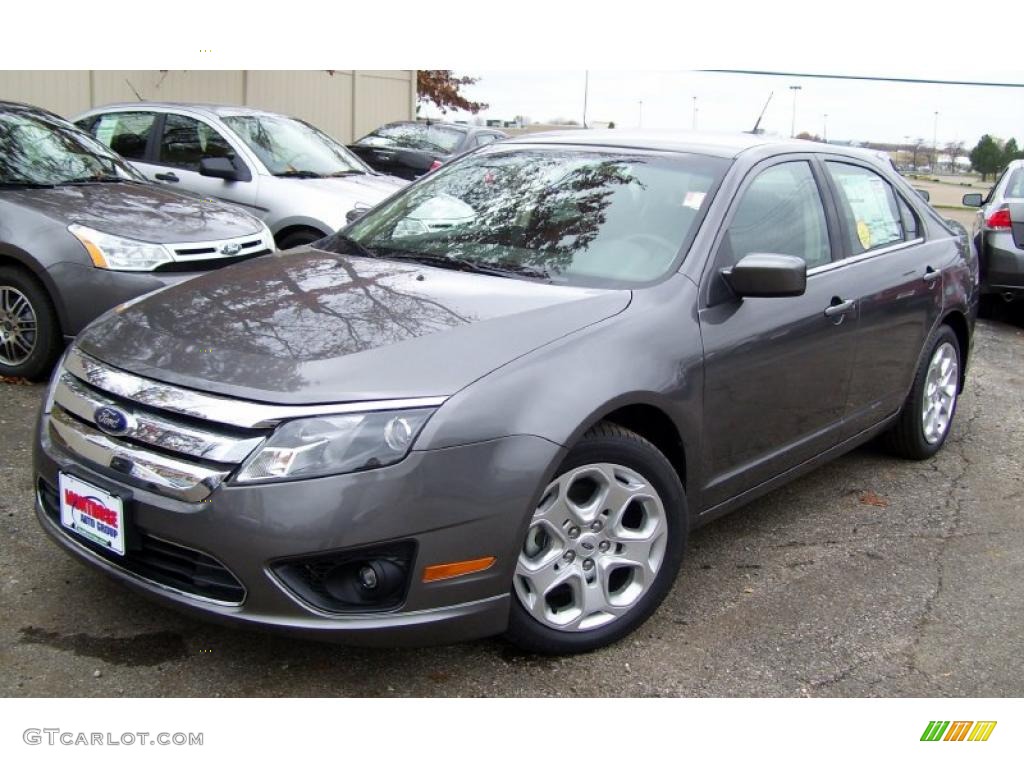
[120, 253]
[334, 445]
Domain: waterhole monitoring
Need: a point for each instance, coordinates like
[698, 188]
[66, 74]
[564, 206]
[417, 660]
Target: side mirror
[218, 168]
[767, 274]
[356, 213]
[973, 200]
[925, 194]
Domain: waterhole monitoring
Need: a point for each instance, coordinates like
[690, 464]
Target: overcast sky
[865, 111]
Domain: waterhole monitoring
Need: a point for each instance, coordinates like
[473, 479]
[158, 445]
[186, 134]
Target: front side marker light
[444, 571]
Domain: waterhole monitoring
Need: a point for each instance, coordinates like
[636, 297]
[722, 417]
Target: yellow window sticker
[864, 234]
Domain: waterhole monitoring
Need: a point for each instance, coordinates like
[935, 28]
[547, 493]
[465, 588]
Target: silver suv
[295, 177]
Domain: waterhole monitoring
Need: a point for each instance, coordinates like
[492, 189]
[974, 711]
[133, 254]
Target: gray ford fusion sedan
[501, 400]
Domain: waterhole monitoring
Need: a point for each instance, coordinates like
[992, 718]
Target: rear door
[128, 133]
[896, 276]
[776, 370]
[184, 141]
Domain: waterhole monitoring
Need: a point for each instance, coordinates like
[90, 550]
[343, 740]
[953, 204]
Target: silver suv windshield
[36, 150]
[579, 217]
[289, 147]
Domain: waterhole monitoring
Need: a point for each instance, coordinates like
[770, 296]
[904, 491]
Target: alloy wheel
[593, 549]
[940, 386]
[18, 326]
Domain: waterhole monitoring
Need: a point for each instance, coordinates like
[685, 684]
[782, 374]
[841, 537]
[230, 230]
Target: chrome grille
[163, 446]
[249, 245]
[175, 441]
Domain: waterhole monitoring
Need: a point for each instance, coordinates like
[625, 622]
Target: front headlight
[120, 253]
[333, 445]
[51, 388]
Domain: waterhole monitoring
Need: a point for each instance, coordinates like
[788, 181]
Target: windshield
[566, 215]
[37, 150]
[289, 147]
[431, 138]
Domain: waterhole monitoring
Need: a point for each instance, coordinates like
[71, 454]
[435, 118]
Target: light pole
[935, 143]
[586, 91]
[824, 129]
[695, 113]
[640, 109]
[792, 128]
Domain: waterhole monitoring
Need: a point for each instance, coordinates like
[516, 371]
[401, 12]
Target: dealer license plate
[92, 512]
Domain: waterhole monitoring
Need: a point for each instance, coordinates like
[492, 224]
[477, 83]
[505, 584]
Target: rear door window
[127, 133]
[186, 141]
[867, 206]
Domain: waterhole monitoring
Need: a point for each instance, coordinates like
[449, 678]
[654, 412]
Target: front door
[183, 142]
[776, 370]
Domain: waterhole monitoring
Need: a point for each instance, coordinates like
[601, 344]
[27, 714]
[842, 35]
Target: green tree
[1011, 152]
[443, 89]
[987, 156]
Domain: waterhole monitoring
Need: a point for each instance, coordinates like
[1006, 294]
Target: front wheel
[29, 331]
[602, 548]
[927, 415]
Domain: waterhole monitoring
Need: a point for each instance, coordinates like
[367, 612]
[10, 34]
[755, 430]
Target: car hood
[366, 188]
[313, 327]
[144, 212]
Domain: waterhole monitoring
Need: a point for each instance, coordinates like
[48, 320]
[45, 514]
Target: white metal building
[345, 103]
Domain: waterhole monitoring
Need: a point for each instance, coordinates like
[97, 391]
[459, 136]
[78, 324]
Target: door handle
[839, 308]
[931, 275]
[171, 177]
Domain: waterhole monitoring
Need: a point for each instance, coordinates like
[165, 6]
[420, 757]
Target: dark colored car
[81, 231]
[500, 401]
[411, 149]
[999, 234]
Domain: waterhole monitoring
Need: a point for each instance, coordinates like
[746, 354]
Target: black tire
[906, 437]
[46, 342]
[298, 237]
[610, 443]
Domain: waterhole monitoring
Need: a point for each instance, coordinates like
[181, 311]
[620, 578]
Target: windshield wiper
[300, 174]
[25, 185]
[497, 269]
[359, 248]
[91, 180]
[351, 172]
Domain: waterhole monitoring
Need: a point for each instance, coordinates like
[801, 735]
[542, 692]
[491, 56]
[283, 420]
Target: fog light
[368, 578]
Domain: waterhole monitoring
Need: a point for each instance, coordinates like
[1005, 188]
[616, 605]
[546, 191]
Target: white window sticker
[694, 200]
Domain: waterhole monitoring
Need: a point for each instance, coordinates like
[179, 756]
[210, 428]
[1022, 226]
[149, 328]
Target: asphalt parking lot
[870, 577]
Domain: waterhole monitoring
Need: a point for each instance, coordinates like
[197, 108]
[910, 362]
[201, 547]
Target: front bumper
[104, 288]
[455, 504]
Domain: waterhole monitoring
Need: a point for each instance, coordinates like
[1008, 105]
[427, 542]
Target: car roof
[694, 142]
[17, 106]
[210, 110]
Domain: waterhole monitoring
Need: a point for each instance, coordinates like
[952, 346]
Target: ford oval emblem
[110, 420]
[230, 249]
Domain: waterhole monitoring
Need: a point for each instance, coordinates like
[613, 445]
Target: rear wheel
[29, 331]
[603, 546]
[927, 415]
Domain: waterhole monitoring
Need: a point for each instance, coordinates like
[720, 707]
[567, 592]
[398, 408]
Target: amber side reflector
[94, 253]
[461, 568]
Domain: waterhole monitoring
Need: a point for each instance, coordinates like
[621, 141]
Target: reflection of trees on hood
[300, 309]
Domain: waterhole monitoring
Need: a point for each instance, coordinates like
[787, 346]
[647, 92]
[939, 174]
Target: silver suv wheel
[594, 547]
